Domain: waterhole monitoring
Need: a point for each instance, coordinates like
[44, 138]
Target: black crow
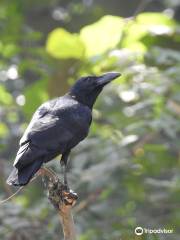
[56, 127]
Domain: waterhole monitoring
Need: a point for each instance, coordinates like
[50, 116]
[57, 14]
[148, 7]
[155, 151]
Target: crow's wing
[54, 128]
[40, 113]
[43, 123]
[40, 140]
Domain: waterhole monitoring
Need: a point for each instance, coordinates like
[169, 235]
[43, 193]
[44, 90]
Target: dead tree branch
[63, 199]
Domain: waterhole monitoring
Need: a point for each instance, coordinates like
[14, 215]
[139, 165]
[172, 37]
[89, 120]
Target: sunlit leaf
[155, 19]
[62, 44]
[102, 35]
[146, 23]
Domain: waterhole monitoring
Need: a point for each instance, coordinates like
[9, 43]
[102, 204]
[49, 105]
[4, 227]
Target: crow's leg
[63, 162]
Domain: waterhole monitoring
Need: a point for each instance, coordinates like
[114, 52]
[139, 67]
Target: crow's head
[87, 89]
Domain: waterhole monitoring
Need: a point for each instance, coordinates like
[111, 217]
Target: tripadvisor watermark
[139, 231]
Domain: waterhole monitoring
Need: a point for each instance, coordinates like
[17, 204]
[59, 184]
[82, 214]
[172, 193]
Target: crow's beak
[107, 77]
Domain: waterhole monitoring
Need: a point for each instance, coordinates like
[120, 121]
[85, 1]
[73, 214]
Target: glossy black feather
[56, 127]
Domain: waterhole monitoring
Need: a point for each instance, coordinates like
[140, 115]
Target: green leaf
[146, 23]
[62, 44]
[102, 35]
[150, 19]
[3, 130]
[134, 33]
[10, 50]
[5, 97]
[35, 95]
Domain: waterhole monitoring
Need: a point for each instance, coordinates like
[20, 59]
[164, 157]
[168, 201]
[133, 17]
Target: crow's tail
[21, 177]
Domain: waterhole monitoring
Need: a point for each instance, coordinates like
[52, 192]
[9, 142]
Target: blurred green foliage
[127, 171]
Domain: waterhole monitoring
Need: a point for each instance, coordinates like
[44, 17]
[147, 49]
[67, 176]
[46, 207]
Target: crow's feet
[60, 195]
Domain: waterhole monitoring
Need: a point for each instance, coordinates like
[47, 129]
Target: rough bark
[63, 199]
